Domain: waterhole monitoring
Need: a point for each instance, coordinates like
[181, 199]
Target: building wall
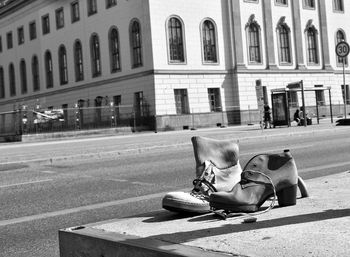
[108, 84]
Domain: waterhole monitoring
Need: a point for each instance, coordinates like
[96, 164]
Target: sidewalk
[66, 135]
[316, 226]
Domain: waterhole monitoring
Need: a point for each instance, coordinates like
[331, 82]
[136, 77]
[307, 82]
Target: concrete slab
[316, 226]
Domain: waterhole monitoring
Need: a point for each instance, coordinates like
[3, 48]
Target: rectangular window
[9, 40]
[309, 4]
[281, 2]
[59, 18]
[32, 30]
[181, 101]
[117, 99]
[338, 5]
[346, 92]
[75, 11]
[20, 35]
[320, 95]
[92, 7]
[111, 3]
[214, 99]
[139, 104]
[45, 24]
[65, 113]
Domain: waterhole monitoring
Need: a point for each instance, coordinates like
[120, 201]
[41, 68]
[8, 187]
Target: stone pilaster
[237, 35]
[297, 30]
[269, 40]
[324, 35]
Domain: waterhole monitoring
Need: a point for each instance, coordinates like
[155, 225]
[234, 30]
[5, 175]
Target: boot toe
[185, 202]
[220, 198]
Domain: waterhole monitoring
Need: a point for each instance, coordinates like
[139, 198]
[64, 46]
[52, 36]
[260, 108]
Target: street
[52, 185]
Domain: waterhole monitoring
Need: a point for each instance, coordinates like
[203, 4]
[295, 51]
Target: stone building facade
[191, 62]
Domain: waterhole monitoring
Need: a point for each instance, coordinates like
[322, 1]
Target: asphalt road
[53, 185]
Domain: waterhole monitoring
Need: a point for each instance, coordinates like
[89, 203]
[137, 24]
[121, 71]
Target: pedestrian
[297, 116]
[267, 116]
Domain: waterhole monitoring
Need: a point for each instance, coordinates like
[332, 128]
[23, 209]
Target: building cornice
[14, 6]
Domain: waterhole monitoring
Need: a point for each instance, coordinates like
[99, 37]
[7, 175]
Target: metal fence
[29, 121]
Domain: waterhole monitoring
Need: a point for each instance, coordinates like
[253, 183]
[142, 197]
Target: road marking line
[142, 183]
[276, 150]
[326, 166]
[116, 180]
[48, 171]
[80, 209]
[26, 183]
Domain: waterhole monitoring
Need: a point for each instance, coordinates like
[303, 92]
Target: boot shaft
[281, 168]
[222, 153]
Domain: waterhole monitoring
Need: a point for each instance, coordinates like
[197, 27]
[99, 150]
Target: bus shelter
[280, 102]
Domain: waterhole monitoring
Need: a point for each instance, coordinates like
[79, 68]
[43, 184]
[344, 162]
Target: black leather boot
[264, 176]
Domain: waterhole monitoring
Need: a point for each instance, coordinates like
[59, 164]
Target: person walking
[267, 116]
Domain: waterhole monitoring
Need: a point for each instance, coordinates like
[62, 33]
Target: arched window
[312, 49]
[341, 37]
[48, 70]
[62, 62]
[35, 73]
[12, 80]
[2, 83]
[253, 41]
[114, 49]
[95, 56]
[284, 43]
[23, 74]
[136, 44]
[209, 42]
[78, 61]
[175, 37]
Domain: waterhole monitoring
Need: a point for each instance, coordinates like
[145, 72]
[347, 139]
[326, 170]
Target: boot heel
[287, 196]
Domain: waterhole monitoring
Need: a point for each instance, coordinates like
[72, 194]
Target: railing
[27, 121]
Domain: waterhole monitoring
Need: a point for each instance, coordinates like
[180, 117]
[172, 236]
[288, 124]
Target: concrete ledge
[316, 226]
[87, 241]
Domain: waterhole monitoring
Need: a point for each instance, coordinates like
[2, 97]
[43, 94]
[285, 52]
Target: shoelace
[198, 185]
[245, 180]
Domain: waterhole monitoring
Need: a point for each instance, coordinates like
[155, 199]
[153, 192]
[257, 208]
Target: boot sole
[184, 210]
[177, 206]
[234, 208]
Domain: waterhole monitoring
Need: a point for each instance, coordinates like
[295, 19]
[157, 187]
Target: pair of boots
[221, 183]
